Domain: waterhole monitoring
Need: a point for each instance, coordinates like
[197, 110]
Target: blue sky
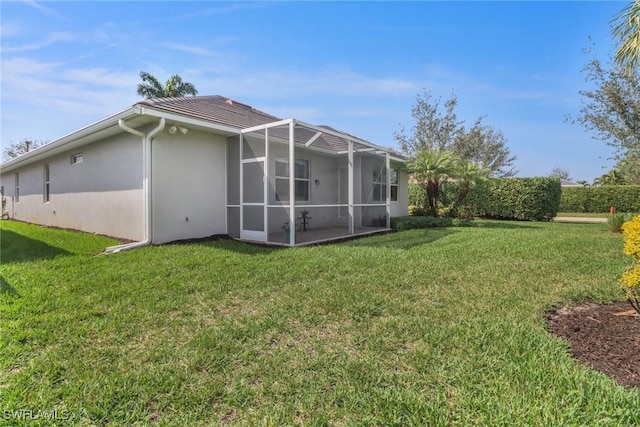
[356, 66]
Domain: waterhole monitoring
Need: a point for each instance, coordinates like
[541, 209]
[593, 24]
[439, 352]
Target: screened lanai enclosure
[292, 183]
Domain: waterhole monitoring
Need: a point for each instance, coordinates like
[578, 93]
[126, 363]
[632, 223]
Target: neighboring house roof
[567, 183]
[215, 112]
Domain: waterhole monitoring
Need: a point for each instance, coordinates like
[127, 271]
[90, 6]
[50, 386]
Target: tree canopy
[612, 108]
[174, 87]
[561, 173]
[432, 129]
[626, 29]
[629, 168]
[613, 177]
[611, 111]
[436, 127]
[486, 146]
[19, 148]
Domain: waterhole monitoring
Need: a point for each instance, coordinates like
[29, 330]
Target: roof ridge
[155, 101]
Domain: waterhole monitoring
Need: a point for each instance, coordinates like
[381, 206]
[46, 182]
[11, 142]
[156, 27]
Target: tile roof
[222, 110]
[214, 108]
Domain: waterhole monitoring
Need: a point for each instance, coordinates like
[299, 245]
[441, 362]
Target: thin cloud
[219, 10]
[282, 84]
[101, 77]
[43, 9]
[10, 30]
[77, 96]
[53, 38]
[188, 49]
[15, 67]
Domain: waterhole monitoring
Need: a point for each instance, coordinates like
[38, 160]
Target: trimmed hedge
[625, 198]
[418, 196]
[528, 199]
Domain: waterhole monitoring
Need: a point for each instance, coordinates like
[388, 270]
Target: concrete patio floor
[322, 235]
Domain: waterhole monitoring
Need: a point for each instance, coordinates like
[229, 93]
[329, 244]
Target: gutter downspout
[146, 185]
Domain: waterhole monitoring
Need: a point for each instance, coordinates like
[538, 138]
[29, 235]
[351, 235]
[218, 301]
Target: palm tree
[431, 167]
[151, 87]
[613, 177]
[627, 30]
[469, 174]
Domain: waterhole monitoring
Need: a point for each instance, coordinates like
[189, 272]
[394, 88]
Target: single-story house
[567, 183]
[182, 168]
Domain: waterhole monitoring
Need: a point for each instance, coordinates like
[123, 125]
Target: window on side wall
[76, 158]
[379, 193]
[394, 185]
[17, 188]
[301, 178]
[380, 186]
[46, 188]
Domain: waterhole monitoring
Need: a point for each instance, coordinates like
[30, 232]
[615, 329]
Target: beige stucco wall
[188, 193]
[401, 207]
[103, 194]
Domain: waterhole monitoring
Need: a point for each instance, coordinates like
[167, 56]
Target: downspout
[146, 185]
[387, 165]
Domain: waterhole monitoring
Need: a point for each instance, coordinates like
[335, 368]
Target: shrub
[411, 222]
[531, 199]
[630, 280]
[449, 192]
[417, 211]
[418, 198]
[625, 198]
[419, 206]
[536, 199]
[402, 223]
[616, 221]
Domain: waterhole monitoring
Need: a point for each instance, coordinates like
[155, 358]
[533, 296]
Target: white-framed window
[380, 185]
[394, 185]
[76, 158]
[16, 193]
[301, 167]
[46, 184]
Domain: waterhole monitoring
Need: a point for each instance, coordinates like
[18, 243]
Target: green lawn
[423, 327]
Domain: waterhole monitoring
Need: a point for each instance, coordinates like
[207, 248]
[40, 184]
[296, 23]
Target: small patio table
[303, 219]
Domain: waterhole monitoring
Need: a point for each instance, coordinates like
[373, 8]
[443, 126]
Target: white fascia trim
[41, 152]
[268, 125]
[150, 111]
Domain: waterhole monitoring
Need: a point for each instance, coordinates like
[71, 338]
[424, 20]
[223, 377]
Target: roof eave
[60, 144]
[81, 137]
[187, 120]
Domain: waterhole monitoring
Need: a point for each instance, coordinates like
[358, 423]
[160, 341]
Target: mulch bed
[603, 336]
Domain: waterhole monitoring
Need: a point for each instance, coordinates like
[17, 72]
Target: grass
[422, 327]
